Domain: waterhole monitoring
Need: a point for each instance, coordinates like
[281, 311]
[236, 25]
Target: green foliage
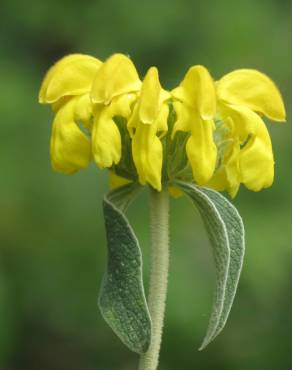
[226, 233]
[122, 299]
[236, 235]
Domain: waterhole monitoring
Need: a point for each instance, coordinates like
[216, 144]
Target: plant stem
[159, 208]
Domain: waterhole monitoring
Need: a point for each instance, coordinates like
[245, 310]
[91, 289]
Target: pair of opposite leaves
[122, 299]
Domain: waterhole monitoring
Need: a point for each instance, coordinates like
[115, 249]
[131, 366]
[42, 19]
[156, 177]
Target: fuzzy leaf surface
[122, 298]
[226, 233]
[236, 237]
[218, 236]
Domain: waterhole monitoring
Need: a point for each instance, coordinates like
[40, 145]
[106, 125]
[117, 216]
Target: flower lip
[152, 97]
[116, 76]
[70, 76]
[198, 91]
[253, 89]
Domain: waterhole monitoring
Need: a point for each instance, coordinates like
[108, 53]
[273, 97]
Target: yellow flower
[195, 107]
[66, 86]
[113, 93]
[216, 133]
[149, 119]
[243, 96]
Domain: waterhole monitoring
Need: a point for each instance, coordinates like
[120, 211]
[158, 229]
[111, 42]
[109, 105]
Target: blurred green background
[52, 238]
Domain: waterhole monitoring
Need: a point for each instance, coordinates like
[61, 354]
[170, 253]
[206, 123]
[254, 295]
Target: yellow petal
[59, 103]
[244, 120]
[151, 106]
[184, 117]
[149, 117]
[83, 111]
[198, 91]
[227, 177]
[161, 121]
[232, 169]
[151, 97]
[218, 181]
[72, 75]
[257, 160]
[254, 90]
[117, 76]
[122, 105]
[106, 140]
[70, 148]
[147, 155]
[202, 151]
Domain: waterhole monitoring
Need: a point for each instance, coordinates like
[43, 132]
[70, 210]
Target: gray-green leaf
[122, 299]
[235, 230]
[226, 233]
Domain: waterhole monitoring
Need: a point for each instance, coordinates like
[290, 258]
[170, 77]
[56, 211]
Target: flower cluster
[206, 131]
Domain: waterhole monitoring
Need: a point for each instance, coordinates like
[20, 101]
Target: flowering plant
[202, 137]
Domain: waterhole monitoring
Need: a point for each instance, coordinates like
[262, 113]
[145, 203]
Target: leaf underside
[235, 230]
[226, 233]
[122, 299]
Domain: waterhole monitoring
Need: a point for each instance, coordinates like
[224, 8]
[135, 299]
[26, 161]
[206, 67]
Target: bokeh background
[52, 238]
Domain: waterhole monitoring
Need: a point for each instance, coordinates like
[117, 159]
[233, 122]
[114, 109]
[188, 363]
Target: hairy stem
[159, 208]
